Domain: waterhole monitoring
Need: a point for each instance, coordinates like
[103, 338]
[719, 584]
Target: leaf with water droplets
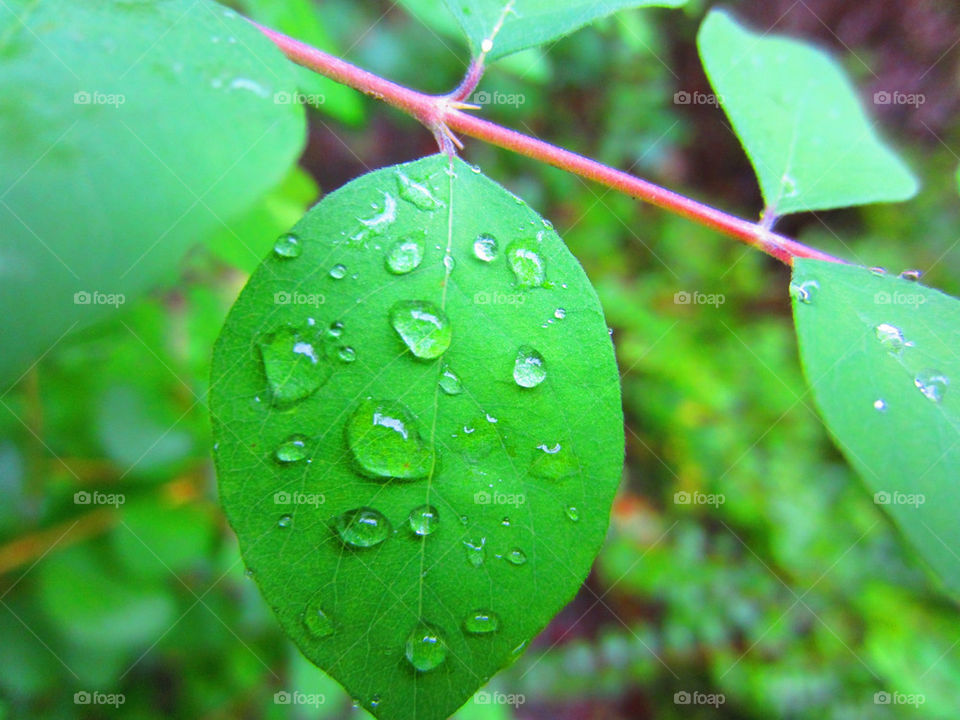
[801, 123]
[429, 481]
[880, 353]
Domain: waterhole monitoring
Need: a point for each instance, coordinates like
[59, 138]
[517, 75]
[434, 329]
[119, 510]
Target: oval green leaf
[131, 130]
[431, 488]
[880, 354]
[799, 119]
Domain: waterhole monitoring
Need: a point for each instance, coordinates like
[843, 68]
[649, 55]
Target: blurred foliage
[794, 598]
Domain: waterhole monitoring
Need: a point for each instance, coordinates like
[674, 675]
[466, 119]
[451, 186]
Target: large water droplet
[554, 462]
[528, 265]
[804, 291]
[450, 382]
[291, 450]
[932, 383]
[287, 246]
[485, 247]
[891, 337]
[424, 519]
[317, 622]
[481, 622]
[417, 193]
[362, 527]
[477, 439]
[294, 364]
[529, 369]
[476, 551]
[422, 326]
[425, 648]
[516, 557]
[385, 441]
[338, 271]
[405, 255]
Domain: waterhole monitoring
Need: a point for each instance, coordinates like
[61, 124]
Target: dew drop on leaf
[932, 383]
[362, 527]
[285, 521]
[450, 382]
[291, 450]
[294, 366]
[554, 462]
[287, 246]
[481, 622]
[485, 248]
[476, 440]
[559, 313]
[424, 519]
[529, 369]
[385, 441]
[476, 552]
[405, 255]
[805, 291]
[880, 405]
[335, 330]
[347, 354]
[573, 513]
[425, 648]
[338, 271]
[911, 275]
[422, 326]
[417, 193]
[516, 557]
[528, 265]
[891, 337]
[317, 622]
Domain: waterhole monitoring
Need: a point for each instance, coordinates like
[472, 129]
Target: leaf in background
[512, 435]
[534, 22]
[131, 130]
[799, 120]
[880, 353]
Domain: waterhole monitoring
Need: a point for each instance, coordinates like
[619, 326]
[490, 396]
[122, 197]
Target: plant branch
[442, 113]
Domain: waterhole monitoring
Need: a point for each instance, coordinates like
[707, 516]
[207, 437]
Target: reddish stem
[439, 111]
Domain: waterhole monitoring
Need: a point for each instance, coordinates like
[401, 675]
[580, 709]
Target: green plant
[336, 376]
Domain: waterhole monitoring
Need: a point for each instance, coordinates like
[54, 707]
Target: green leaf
[533, 22]
[314, 364]
[880, 353]
[800, 121]
[131, 130]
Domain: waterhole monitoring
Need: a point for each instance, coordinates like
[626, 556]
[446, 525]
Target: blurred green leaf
[161, 540]
[800, 121]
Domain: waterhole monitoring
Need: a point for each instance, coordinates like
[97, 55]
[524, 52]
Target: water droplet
[528, 368]
[911, 275]
[287, 246]
[362, 527]
[505, 522]
[481, 622]
[374, 700]
[449, 381]
[559, 313]
[248, 85]
[476, 552]
[932, 383]
[528, 265]
[385, 441]
[573, 513]
[422, 326]
[805, 291]
[293, 449]
[424, 519]
[880, 405]
[547, 224]
[425, 648]
[317, 622]
[476, 440]
[554, 462]
[335, 330]
[347, 354]
[891, 337]
[378, 223]
[485, 248]
[449, 263]
[417, 193]
[338, 271]
[878, 270]
[285, 521]
[405, 255]
[518, 650]
[292, 364]
[475, 169]
[516, 557]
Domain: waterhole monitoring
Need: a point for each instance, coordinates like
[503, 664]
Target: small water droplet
[385, 441]
[424, 520]
[417, 193]
[347, 354]
[338, 271]
[476, 552]
[880, 405]
[529, 369]
[449, 263]
[293, 366]
[878, 270]
[891, 337]
[317, 622]
[450, 381]
[287, 246]
[559, 313]
[485, 248]
[285, 521]
[516, 557]
[573, 513]
[251, 86]
[374, 700]
[425, 648]
[405, 255]
[932, 383]
[422, 326]
[377, 224]
[475, 169]
[335, 330]
[528, 265]
[363, 527]
[554, 462]
[291, 450]
[476, 440]
[911, 275]
[805, 291]
[505, 522]
[481, 622]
